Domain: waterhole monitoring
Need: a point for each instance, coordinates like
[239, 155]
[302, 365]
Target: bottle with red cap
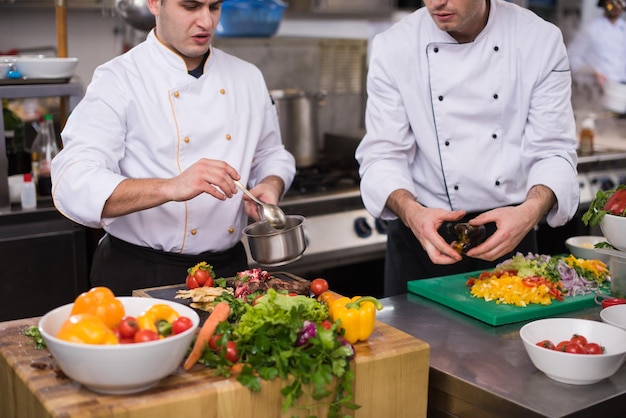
[28, 193]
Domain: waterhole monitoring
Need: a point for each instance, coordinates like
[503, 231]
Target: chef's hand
[513, 223]
[214, 177]
[424, 223]
[268, 190]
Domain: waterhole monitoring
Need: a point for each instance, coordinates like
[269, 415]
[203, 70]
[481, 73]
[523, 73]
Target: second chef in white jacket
[468, 118]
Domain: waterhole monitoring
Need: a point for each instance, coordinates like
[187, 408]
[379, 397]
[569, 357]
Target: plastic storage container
[250, 18]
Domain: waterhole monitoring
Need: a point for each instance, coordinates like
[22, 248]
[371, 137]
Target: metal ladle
[269, 212]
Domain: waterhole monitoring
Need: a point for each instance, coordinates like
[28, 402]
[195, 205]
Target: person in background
[468, 119]
[152, 151]
[598, 51]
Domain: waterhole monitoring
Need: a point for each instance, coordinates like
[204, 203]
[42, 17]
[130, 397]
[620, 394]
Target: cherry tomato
[128, 327]
[214, 342]
[232, 354]
[594, 348]
[181, 324]
[562, 346]
[191, 282]
[575, 348]
[546, 344]
[145, 335]
[127, 340]
[577, 338]
[326, 324]
[319, 286]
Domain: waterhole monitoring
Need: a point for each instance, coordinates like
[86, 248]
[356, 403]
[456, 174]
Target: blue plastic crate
[250, 18]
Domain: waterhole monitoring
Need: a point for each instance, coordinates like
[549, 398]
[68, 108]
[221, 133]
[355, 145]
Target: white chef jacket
[600, 46]
[144, 116]
[469, 126]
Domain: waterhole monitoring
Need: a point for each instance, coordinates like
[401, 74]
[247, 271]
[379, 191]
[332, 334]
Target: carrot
[220, 314]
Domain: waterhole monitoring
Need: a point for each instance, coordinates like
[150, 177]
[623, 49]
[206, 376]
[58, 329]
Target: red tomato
[232, 354]
[256, 298]
[319, 286]
[214, 342]
[145, 335]
[181, 324]
[128, 327]
[202, 276]
[577, 338]
[326, 324]
[593, 348]
[575, 348]
[562, 346]
[546, 344]
[127, 340]
[191, 282]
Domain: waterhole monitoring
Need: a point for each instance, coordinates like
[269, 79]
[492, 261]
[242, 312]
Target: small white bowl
[575, 369]
[583, 247]
[45, 67]
[614, 315]
[614, 229]
[123, 368]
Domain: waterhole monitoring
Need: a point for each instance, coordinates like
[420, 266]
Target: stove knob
[381, 226]
[362, 228]
[606, 183]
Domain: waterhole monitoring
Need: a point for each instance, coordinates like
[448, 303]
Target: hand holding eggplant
[467, 236]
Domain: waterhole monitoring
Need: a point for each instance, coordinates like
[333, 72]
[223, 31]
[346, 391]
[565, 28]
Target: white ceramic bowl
[583, 247]
[123, 368]
[45, 67]
[575, 369]
[614, 315]
[614, 230]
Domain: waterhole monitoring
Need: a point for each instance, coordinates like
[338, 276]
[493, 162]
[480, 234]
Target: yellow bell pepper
[86, 329]
[357, 316]
[157, 312]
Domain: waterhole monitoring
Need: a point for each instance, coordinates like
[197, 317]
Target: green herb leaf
[33, 332]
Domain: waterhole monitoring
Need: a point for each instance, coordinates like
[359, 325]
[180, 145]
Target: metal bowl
[276, 247]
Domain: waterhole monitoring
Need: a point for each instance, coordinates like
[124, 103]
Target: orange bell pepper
[86, 329]
[101, 302]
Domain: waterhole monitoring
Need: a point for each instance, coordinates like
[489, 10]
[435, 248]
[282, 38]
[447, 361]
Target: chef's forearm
[540, 199]
[276, 183]
[399, 202]
[133, 195]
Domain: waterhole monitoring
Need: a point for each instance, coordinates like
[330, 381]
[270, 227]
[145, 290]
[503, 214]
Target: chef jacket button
[436, 49]
[228, 137]
[456, 187]
[222, 91]
[495, 96]
[231, 230]
[494, 136]
[495, 48]
[194, 232]
[440, 98]
[497, 182]
[447, 143]
[176, 94]
[186, 139]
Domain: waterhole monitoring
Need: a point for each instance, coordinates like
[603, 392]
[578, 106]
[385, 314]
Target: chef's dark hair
[601, 3]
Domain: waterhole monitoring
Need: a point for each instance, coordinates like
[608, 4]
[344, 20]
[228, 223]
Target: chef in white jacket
[152, 151]
[598, 51]
[468, 119]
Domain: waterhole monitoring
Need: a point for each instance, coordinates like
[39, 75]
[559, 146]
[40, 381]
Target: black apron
[124, 267]
[406, 260]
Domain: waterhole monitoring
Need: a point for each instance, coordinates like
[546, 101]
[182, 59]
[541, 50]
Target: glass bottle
[586, 136]
[44, 149]
[14, 138]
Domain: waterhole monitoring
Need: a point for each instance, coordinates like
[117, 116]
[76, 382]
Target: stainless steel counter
[477, 370]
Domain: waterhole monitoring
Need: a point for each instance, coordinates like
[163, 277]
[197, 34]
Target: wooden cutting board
[391, 380]
[452, 292]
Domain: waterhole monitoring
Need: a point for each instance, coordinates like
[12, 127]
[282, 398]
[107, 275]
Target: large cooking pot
[276, 247]
[136, 14]
[297, 115]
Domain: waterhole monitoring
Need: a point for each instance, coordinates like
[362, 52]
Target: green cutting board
[452, 292]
